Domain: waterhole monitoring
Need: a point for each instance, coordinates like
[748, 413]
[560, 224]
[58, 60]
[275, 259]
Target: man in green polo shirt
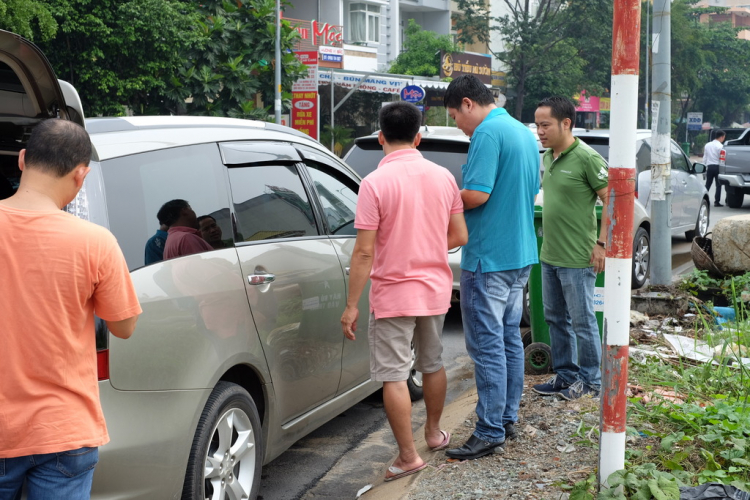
[574, 176]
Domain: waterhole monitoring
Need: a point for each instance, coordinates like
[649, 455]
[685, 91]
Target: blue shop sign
[412, 93]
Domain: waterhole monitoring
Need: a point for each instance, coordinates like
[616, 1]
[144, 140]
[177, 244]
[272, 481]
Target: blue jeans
[568, 296]
[50, 476]
[491, 306]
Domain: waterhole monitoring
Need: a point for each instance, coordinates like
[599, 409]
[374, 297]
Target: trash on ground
[697, 350]
[364, 490]
[712, 491]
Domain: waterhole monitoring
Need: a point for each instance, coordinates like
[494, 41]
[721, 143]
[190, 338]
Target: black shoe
[473, 448]
[510, 431]
[552, 387]
[717, 204]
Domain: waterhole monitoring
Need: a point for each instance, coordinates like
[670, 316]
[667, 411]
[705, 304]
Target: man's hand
[349, 321]
[598, 255]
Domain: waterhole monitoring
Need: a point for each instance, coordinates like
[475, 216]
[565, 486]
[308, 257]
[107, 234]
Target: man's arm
[124, 328]
[359, 272]
[458, 234]
[473, 199]
[599, 253]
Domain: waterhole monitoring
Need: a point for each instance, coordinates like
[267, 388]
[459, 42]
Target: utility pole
[277, 83]
[661, 129]
[618, 217]
[648, 64]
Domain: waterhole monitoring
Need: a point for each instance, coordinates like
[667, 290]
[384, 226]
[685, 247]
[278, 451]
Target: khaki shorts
[390, 346]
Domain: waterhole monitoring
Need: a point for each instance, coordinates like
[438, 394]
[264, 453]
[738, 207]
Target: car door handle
[261, 279]
[346, 270]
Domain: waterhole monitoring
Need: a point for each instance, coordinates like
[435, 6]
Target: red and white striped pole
[618, 217]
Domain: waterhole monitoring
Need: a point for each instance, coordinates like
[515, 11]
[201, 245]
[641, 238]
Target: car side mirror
[699, 168]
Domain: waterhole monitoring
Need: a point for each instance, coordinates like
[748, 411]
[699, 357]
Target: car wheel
[227, 451]
[641, 258]
[414, 382]
[525, 314]
[734, 197]
[701, 224]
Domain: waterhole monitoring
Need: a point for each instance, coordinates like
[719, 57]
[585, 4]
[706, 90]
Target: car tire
[229, 421]
[701, 223]
[735, 197]
[414, 382]
[525, 312]
[641, 258]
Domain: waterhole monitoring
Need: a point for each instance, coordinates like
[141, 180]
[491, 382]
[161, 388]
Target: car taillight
[102, 364]
[722, 158]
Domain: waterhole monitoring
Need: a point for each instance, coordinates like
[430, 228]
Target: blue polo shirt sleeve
[480, 171]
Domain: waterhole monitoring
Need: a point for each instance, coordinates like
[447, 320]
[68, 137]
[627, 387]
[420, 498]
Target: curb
[453, 417]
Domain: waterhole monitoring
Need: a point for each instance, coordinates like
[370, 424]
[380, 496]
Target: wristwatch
[601, 243]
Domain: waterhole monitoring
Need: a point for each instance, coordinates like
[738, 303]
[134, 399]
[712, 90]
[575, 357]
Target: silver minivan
[239, 350]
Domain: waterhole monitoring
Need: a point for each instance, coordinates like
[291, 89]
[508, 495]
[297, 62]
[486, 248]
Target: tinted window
[365, 156]
[337, 198]
[270, 202]
[643, 157]
[679, 162]
[138, 185]
[598, 144]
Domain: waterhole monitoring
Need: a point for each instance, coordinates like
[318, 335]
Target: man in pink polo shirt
[183, 236]
[409, 214]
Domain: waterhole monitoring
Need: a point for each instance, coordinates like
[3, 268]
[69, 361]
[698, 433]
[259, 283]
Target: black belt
[713, 165]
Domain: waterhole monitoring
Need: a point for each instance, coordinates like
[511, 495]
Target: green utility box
[538, 355]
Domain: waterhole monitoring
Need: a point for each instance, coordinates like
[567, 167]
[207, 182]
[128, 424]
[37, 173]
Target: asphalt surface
[353, 449]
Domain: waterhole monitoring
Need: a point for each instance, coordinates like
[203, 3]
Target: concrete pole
[277, 85]
[618, 217]
[648, 64]
[661, 130]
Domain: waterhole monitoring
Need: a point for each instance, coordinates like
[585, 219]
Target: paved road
[335, 461]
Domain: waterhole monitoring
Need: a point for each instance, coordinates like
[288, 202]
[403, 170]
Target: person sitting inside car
[183, 236]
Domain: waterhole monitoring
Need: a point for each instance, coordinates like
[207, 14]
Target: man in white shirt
[711, 154]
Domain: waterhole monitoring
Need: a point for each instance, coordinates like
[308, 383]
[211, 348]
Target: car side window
[643, 157]
[337, 197]
[137, 186]
[270, 202]
[679, 162]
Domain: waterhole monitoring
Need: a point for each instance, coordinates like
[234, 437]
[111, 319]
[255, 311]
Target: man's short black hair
[170, 211]
[58, 146]
[468, 86]
[400, 122]
[719, 133]
[560, 108]
[204, 217]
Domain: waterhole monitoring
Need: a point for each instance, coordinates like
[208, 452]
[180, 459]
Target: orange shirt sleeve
[115, 298]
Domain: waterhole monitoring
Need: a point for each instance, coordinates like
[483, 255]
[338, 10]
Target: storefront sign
[605, 103]
[327, 39]
[305, 96]
[454, 64]
[412, 93]
[695, 120]
[331, 58]
[586, 103]
[375, 83]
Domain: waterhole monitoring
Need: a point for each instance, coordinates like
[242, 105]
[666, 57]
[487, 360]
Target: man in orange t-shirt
[56, 272]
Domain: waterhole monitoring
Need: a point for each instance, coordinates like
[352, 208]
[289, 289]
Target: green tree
[234, 60]
[119, 53]
[29, 18]
[421, 54]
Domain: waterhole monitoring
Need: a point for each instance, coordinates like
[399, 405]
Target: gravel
[555, 446]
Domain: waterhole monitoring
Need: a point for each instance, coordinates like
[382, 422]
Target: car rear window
[598, 144]
[365, 156]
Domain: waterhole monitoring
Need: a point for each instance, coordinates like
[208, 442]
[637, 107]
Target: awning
[388, 84]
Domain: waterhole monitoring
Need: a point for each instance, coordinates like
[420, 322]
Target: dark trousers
[712, 173]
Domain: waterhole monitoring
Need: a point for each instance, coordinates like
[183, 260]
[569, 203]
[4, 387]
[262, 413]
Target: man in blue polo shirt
[501, 180]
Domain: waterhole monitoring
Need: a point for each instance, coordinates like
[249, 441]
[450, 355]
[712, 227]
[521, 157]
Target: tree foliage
[234, 60]
[548, 47]
[421, 51]
[29, 18]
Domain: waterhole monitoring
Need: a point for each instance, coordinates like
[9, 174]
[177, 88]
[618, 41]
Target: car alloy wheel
[641, 258]
[225, 459]
[414, 382]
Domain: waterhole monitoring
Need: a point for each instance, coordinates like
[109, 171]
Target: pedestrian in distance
[574, 176]
[58, 271]
[409, 214]
[501, 181]
[711, 158]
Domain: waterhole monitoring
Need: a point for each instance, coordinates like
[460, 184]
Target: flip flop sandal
[446, 442]
[399, 473]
